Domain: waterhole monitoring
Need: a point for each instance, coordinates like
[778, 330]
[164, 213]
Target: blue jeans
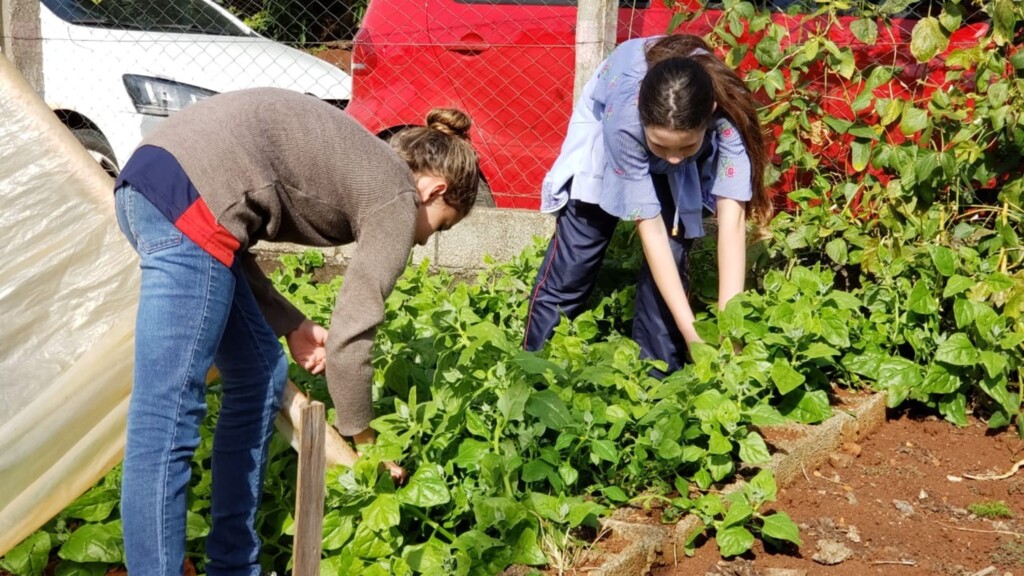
[194, 312]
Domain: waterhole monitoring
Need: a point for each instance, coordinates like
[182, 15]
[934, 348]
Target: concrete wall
[498, 232]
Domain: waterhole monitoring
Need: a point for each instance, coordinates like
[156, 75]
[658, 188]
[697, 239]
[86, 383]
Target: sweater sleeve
[385, 240]
[282, 316]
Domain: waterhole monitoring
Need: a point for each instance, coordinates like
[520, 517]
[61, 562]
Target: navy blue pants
[568, 273]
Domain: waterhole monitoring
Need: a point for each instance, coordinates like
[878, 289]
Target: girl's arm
[654, 238]
[732, 249]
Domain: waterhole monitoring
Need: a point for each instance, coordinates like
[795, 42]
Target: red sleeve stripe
[198, 223]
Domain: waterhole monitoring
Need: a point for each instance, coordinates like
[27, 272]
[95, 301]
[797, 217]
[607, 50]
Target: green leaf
[196, 526]
[738, 515]
[30, 557]
[938, 380]
[95, 543]
[993, 362]
[426, 488]
[836, 248]
[786, 379]
[820, 350]
[957, 284]
[615, 494]
[734, 541]
[764, 415]
[927, 39]
[921, 300]
[809, 407]
[865, 30]
[431, 557]
[953, 407]
[536, 470]
[957, 350]
[605, 450]
[337, 530]
[762, 488]
[513, 400]
[860, 155]
[914, 120]
[753, 450]
[779, 526]
[382, 513]
[370, 544]
[944, 259]
[549, 408]
[471, 452]
[996, 389]
[94, 506]
[526, 549]
[963, 311]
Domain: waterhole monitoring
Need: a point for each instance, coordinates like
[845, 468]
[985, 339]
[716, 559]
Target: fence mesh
[112, 69]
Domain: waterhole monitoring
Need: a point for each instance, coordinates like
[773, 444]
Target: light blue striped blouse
[605, 154]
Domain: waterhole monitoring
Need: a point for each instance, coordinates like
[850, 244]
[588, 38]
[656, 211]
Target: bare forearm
[732, 249]
[658, 253]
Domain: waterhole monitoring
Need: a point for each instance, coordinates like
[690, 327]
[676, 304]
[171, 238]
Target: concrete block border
[806, 447]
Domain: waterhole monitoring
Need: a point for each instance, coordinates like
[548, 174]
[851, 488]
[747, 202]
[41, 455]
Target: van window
[183, 16]
[622, 3]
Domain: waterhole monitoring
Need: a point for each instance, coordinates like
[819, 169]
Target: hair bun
[450, 121]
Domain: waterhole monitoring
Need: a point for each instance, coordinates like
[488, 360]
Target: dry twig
[1013, 470]
[899, 562]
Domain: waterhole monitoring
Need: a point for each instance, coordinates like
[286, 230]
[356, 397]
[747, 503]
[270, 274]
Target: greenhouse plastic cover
[68, 291]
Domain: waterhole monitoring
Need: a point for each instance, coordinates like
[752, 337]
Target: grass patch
[1009, 553]
[991, 509]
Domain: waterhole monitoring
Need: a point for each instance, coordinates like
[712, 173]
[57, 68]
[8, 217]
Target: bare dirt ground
[898, 504]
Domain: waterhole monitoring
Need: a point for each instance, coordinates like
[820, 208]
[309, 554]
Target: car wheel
[98, 148]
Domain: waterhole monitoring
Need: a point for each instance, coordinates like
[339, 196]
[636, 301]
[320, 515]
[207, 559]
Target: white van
[112, 69]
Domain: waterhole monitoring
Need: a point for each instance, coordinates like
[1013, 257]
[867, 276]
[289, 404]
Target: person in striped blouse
[663, 131]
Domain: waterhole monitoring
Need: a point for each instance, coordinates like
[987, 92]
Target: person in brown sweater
[260, 165]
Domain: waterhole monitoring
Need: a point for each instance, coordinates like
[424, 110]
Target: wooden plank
[309, 497]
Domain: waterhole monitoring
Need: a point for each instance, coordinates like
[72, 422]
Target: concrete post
[20, 39]
[596, 21]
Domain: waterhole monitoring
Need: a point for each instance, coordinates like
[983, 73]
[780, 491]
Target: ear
[714, 106]
[437, 189]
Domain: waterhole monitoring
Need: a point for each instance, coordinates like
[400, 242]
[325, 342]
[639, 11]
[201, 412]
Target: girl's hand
[308, 345]
[368, 437]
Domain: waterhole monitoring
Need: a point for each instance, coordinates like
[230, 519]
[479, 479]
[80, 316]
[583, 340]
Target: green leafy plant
[991, 509]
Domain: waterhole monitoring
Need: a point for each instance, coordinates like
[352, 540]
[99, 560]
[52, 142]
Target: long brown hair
[442, 148]
[671, 59]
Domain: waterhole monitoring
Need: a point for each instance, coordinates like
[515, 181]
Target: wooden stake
[309, 497]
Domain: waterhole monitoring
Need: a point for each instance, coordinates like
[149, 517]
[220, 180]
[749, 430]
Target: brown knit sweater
[276, 165]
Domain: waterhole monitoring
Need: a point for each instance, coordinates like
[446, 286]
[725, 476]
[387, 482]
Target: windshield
[192, 16]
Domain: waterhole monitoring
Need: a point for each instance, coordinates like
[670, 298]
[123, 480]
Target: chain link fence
[111, 69]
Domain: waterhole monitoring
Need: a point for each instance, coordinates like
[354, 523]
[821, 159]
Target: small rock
[840, 460]
[831, 552]
[904, 507]
[851, 448]
[959, 512]
[985, 572]
[783, 572]
[851, 498]
[923, 495]
[853, 534]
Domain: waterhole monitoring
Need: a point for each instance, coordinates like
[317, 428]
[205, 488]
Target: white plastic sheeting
[68, 287]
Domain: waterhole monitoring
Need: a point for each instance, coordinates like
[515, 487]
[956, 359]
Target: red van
[510, 63]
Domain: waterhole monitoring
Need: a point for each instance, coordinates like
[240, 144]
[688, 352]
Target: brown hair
[669, 100]
[442, 148]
